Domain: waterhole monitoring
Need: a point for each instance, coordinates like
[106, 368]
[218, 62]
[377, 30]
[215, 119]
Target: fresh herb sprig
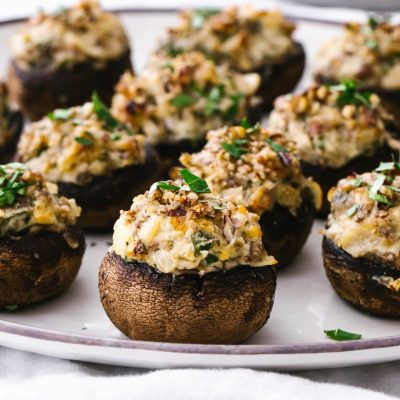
[348, 94]
[235, 147]
[196, 184]
[86, 139]
[341, 335]
[11, 186]
[277, 147]
[103, 113]
[59, 114]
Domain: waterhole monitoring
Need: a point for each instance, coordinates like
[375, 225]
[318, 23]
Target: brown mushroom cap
[104, 197]
[281, 77]
[218, 307]
[39, 265]
[284, 234]
[352, 279]
[38, 91]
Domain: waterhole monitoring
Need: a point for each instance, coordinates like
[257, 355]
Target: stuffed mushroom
[11, 124]
[41, 250]
[260, 169]
[368, 53]
[94, 158]
[337, 129]
[248, 39]
[361, 245]
[187, 266]
[175, 101]
[58, 59]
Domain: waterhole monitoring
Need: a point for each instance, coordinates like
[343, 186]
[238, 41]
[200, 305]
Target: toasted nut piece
[348, 111]
[322, 92]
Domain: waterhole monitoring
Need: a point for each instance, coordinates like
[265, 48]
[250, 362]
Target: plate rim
[69, 338]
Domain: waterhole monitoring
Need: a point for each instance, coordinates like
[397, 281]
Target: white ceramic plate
[74, 325]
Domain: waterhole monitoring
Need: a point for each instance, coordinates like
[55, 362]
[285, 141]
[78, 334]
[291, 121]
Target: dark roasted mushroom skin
[218, 307]
[328, 177]
[285, 234]
[15, 125]
[104, 197]
[282, 76]
[40, 90]
[352, 279]
[37, 266]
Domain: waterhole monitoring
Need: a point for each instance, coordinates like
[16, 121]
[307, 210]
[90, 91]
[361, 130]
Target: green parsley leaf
[115, 136]
[357, 182]
[387, 166]
[277, 147]
[245, 123]
[395, 189]
[59, 114]
[170, 67]
[340, 335]
[353, 210]
[214, 98]
[183, 100]
[87, 139]
[104, 114]
[11, 308]
[200, 16]
[372, 22]
[371, 44]
[349, 94]
[235, 148]
[211, 259]
[374, 194]
[167, 186]
[196, 184]
[202, 241]
[10, 187]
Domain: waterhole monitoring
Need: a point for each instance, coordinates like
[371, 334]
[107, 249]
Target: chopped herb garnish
[60, 114]
[173, 51]
[195, 183]
[372, 22]
[277, 147]
[348, 94]
[167, 186]
[183, 100]
[245, 123]
[214, 98]
[353, 210]
[10, 187]
[199, 16]
[104, 114]
[170, 67]
[374, 194]
[340, 335]
[387, 166]
[395, 189]
[235, 148]
[87, 139]
[371, 44]
[357, 182]
[115, 136]
[211, 259]
[201, 242]
[11, 308]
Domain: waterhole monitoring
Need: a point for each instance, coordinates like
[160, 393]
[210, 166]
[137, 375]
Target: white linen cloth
[28, 376]
[33, 377]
